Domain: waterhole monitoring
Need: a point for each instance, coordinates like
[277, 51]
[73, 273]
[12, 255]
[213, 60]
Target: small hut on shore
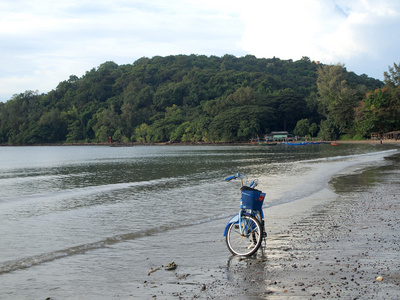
[377, 135]
[393, 135]
[279, 136]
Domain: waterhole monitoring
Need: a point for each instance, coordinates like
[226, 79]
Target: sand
[345, 247]
[348, 248]
[340, 251]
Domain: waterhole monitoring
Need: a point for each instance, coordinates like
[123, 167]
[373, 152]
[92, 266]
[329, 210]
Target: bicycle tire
[248, 242]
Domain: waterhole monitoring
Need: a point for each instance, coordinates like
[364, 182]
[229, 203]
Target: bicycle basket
[252, 199]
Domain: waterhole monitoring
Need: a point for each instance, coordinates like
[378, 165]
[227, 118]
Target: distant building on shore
[392, 135]
[279, 136]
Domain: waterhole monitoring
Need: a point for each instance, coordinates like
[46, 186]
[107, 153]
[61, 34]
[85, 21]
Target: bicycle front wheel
[244, 238]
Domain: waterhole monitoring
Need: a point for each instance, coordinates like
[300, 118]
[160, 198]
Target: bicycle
[245, 231]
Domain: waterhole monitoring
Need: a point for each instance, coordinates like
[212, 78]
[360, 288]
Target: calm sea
[91, 221]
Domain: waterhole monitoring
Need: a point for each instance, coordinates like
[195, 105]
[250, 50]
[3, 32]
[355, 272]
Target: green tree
[244, 96]
[327, 131]
[380, 110]
[291, 107]
[338, 101]
[392, 83]
[141, 133]
[52, 127]
[179, 132]
[75, 126]
[240, 123]
[313, 129]
[392, 77]
[20, 117]
[303, 128]
[108, 122]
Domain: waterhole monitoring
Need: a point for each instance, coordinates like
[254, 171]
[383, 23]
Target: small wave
[351, 156]
[90, 190]
[23, 177]
[304, 182]
[10, 266]
[24, 263]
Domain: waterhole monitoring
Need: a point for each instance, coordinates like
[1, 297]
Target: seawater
[87, 220]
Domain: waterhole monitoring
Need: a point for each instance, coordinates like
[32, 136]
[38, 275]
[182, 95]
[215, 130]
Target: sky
[43, 42]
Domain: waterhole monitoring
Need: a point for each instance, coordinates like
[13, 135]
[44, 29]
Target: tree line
[196, 98]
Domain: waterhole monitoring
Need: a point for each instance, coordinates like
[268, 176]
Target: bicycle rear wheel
[245, 237]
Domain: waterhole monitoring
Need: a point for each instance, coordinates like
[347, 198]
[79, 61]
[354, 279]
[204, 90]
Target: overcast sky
[43, 42]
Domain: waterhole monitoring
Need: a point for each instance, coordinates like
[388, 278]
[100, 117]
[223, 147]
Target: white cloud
[43, 42]
[328, 31]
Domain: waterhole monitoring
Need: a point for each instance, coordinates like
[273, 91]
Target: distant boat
[315, 143]
[334, 144]
[302, 143]
[296, 144]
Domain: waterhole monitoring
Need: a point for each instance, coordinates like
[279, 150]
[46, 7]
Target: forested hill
[194, 98]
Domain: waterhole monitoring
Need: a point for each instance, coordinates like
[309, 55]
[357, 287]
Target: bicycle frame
[236, 219]
[258, 214]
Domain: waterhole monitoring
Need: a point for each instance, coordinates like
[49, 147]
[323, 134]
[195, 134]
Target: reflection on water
[370, 176]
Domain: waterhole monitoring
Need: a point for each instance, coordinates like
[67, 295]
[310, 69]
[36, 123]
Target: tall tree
[392, 83]
[380, 110]
[337, 100]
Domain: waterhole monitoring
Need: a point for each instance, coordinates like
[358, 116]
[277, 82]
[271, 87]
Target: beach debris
[153, 270]
[268, 292]
[379, 278]
[183, 276]
[171, 266]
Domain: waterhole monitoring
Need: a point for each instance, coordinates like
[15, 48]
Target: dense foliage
[198, 98]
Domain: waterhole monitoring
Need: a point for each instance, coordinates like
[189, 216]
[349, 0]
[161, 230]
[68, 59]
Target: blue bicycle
[245, 231]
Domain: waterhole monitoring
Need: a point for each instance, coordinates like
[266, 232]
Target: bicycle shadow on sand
[253, 276]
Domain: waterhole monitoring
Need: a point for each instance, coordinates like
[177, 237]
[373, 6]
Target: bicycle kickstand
[264, 233]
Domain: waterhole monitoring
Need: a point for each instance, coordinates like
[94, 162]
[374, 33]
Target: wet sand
[342, 250]
[347, 247]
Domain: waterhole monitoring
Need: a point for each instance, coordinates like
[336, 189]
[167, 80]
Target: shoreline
[347, 248]
[344, 247]
[132, 144]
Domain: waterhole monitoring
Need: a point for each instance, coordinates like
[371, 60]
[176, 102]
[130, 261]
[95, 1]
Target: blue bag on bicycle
[252, 198]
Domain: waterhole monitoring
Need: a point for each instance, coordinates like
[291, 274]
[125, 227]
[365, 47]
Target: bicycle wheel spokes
[244, 237]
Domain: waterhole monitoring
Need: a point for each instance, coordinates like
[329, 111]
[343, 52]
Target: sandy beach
[347, 247]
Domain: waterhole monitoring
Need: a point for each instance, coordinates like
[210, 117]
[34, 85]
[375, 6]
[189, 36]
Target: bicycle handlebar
[253, 184]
